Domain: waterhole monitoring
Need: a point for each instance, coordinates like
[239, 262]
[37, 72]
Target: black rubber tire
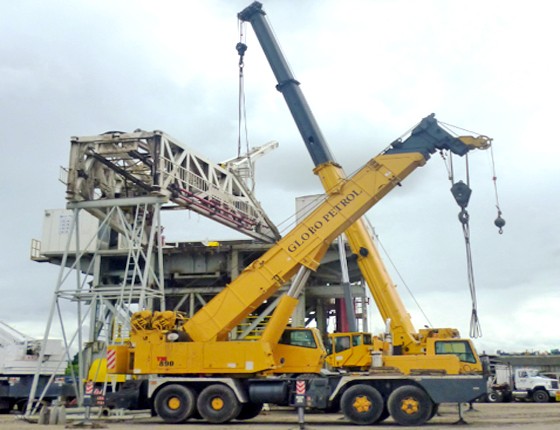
[435, 410]
[175, 403]
[410, 406]
[362, 404]
[333, 408]
[384, 415]
[218, 404]
[494, 397]
[249, 410]
[540, 396]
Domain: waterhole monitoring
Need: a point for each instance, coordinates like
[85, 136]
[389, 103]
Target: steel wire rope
[242, 127]
[499, 221]
[475, 327]
[462, 195]
[393, 265]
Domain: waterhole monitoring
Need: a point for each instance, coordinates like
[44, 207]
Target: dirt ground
[516, 416]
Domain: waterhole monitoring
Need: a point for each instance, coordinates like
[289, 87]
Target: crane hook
[464, 216]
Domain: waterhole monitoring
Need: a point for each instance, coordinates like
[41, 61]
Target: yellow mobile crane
[192, 369]
[175, 351]
[407, 343]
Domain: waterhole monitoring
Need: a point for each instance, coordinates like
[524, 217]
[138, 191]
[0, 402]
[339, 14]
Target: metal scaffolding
[89, 310]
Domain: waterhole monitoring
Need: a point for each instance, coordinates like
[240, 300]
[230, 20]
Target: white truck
[510, 383]
[19, 355]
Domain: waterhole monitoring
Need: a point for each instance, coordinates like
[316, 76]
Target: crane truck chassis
[363, 398]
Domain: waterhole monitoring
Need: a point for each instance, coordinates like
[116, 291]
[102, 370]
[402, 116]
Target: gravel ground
[484, 416]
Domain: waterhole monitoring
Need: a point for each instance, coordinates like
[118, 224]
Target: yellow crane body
[305, 245]
[195, 368]
[207, 349]
[406, 340]
[151, 352]
[200, 344]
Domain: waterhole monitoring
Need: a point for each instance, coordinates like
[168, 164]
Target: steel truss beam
[119, 165]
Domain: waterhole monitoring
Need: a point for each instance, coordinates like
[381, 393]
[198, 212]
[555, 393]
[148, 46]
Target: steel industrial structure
[117, 261]
[140, 164]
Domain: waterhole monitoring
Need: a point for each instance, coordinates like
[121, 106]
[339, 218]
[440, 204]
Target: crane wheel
[384, 415]
[362, 404]
[249, 410]
[410, 406]
[218, 404]
[175, 403]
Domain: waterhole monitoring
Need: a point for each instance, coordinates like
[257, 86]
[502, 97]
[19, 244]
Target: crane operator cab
[353, 351]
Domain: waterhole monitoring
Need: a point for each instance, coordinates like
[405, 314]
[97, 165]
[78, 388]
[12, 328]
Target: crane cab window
[361, 339]
[461, 349]
[302, 338]
[342, 343]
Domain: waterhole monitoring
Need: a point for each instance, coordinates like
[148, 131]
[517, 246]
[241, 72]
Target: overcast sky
[369, 69]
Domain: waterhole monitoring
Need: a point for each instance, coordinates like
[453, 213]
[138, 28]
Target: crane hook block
[462, 193]
[500, 222]
[241, 48]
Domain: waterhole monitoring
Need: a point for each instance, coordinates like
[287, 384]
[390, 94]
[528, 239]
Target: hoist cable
[467, 169]
[451, 171]
[388, 257]
[448, 165]
[242, 128]
[494, 177]
[241, 112]
[475, 328]
[499, 221]
[242, 121]
[461, 192]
